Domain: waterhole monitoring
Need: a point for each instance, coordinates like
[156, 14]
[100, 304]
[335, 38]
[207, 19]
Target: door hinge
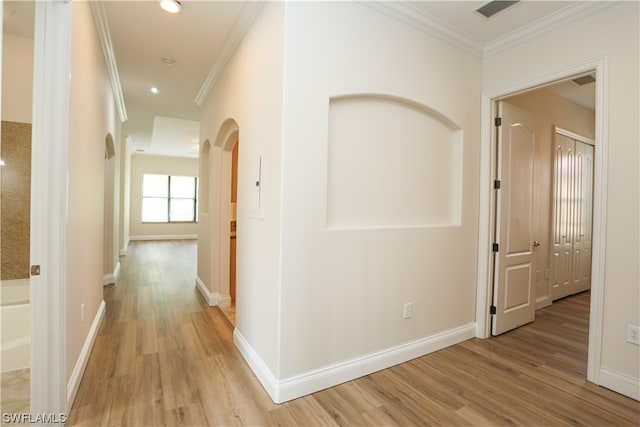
[492, 309]
[35, 270]
[496, 184]
[495, 247]
[498, 121]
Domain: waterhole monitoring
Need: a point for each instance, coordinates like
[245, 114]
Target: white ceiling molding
[102, 27]
[248, 14]
[411, 16]
[404, 12]
[571, 13]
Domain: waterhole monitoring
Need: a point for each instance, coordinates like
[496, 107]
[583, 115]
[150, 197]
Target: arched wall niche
[392, 162]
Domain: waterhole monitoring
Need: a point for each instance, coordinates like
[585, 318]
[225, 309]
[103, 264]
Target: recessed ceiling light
[155, 90]
[171, 6]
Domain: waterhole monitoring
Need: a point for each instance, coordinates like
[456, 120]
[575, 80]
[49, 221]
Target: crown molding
[247, 16]
[102, 27]
[565, 16]
[408, 14]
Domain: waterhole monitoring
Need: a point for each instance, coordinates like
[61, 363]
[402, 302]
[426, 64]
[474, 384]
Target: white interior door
[563, 207]
[572, 218]
[581, 273]
[514, 293]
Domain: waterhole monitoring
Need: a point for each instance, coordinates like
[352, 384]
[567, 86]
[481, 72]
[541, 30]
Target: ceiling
[199, 37]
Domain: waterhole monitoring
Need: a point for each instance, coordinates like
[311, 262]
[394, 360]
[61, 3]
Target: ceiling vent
[584, 80]
[493, 7]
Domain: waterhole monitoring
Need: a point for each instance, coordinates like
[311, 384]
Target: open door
[513, 288]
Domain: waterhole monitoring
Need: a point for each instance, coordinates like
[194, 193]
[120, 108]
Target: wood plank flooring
[163, 357]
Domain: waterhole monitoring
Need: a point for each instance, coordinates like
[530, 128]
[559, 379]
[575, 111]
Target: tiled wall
[15, 203]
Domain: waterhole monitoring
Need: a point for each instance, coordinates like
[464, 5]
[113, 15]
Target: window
[169, 198]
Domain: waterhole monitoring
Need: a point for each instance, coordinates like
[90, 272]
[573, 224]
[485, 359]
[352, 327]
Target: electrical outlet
[408, 307]
[633, 334]
[82, 312]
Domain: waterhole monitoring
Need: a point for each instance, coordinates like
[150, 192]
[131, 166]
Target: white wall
[163, 165]
[17, 78]
[343, 290]
[613, 32]
[249, 92]
[92, 115]
[550, 110]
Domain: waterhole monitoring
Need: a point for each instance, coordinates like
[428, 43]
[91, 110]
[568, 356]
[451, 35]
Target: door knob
[536, 243]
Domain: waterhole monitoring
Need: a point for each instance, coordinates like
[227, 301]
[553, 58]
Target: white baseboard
[165, 237]
[211, 297]
[224, 300]
[116, 271]
[620, 383]
[257, 365]
[81, 363]
[543, 302]
[319, 379]
[111, 278]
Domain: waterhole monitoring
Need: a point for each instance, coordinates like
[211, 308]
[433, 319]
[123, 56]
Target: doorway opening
[230, 311]
[17, 173]
[543, 193]
[227, 196]
[493, 239]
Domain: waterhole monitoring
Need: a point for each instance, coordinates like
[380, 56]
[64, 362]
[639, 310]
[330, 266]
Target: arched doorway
[228, 191]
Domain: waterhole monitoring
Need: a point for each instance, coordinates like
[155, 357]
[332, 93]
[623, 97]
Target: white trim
[224, 300]
[51, 71]
[408, 14]
[620, 383]
[572, 135]
[245, 19]
[329, 376]
[164, 237]
[599, 212]
[257, 365]
[102, 27]
[543, 301]
[111, 278]
[116, 271]
[599, 238]
[210, 297]
[83, 358]
[573, 12]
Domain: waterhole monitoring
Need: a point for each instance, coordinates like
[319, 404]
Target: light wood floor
[163, 357]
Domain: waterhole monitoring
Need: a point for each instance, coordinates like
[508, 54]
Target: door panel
[583, 217]
[562, 235]
[572, 217]
[514, 293]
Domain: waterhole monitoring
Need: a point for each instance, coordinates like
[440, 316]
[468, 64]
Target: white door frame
[52, 55]
[487, 205]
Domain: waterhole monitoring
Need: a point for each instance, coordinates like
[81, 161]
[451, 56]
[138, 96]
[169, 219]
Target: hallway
[163, 357]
